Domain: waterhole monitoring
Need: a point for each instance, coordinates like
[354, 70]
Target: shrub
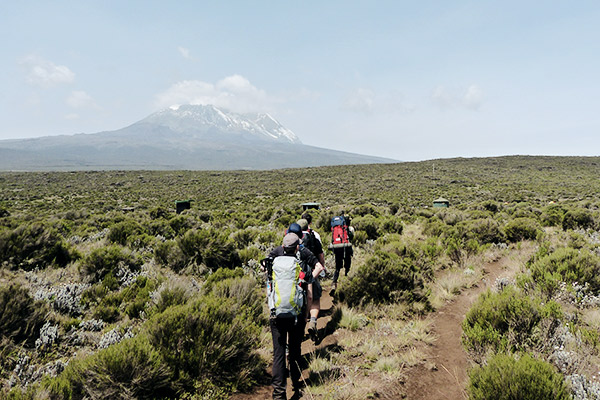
[121, 232]
[20, 316]
[552, 215]
[505, 378]
[209, 247]
[107, 260]
[31, 246]
[211, 338]
[129, 369]
[522, 229]
[486, 230]
[170, 255]
[578, 218]
[504, 321]
[392, 225]
[568, 265]
[384, 278]
[367, 224]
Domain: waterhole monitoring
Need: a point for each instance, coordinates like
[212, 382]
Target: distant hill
[192, 137]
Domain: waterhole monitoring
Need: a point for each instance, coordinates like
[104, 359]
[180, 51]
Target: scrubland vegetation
[106, 292]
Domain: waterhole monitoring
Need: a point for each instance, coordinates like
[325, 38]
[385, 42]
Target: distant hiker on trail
[312, 243]
[341, 235]
[289, 292]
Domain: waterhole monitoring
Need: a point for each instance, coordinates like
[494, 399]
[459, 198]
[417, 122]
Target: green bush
[209, 247]
[20, 316]
[107, 260]
[122, 232]
[504, 321]
[214, 337]
[392, 225]
[129, 369]
[522, 229]
[552, 215]
[567, 265]
[578, 218]
[383, 278]
[170, 255]
[505, 378]
[31, 246]
[485, 230]
[368, 224]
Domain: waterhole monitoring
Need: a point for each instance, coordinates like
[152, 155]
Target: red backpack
[339, 233]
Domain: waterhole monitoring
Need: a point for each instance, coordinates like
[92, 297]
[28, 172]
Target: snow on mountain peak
[195, 118]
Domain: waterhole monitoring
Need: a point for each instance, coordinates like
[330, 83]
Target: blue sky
[400, 79]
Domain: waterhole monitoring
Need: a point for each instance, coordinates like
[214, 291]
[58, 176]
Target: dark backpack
[309, 240]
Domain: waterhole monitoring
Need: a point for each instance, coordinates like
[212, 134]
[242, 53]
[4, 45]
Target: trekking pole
[303, 380]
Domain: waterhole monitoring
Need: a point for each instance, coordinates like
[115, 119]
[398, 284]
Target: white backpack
[286, 296]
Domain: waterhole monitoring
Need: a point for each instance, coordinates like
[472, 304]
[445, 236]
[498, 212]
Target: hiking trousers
[290, 331]
[343, 259]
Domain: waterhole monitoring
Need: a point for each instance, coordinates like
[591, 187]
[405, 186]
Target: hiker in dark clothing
[311, 241]
[290, 331]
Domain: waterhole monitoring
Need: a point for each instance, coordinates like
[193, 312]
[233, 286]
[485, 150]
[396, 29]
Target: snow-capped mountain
[198, 119]
[186, 137]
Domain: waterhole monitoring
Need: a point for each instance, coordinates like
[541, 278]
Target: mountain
[194, 137]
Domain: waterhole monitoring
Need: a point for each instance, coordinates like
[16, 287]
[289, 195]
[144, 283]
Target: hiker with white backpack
[289, 294]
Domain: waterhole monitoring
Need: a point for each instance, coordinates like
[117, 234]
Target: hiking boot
[312, 331]
[333, 287]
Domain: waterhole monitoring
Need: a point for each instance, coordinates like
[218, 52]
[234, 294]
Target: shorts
[317, 289]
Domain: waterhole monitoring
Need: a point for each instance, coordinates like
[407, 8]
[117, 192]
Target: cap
[290, 240]
[295, 228]
[303, 224]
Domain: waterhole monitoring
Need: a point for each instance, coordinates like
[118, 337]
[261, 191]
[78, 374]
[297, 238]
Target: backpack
[286, 295]
[309, 240]
[339, 233]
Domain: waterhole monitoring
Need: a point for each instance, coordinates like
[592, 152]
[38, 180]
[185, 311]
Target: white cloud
[72, 116]
[44, 73]
[80, 99]
[361, 100]
[184, 52]
[234, 93]
[471, 97]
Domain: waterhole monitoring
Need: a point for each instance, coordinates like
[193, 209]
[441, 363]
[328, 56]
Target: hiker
[288, 329]
[342, 233]
[312, 243]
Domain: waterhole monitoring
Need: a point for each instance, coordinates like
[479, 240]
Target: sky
[405, 80]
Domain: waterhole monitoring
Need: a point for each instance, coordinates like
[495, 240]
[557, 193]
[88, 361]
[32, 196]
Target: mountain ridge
[184, 137]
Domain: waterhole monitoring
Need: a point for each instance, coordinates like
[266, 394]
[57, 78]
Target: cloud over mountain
[234, 93]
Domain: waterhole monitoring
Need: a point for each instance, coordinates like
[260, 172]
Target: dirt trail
[444, 373]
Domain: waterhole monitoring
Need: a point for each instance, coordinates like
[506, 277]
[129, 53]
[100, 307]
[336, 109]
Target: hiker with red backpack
[341, 236]
[289, 294]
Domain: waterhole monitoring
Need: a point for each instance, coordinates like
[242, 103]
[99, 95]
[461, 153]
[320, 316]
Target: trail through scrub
[443, 374]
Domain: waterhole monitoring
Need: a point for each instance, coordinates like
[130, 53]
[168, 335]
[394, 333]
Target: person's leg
[296, 334]
[339, 263]
[315, 309]
[347, 259]
[279, 333]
